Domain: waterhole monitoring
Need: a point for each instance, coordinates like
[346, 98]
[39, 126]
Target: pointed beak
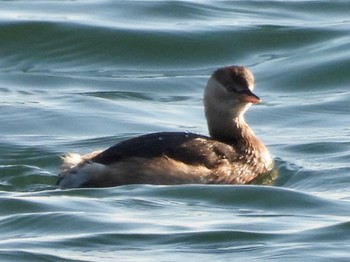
[249, 97]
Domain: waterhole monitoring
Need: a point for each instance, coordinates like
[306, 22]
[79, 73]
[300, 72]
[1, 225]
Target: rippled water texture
[83, 75]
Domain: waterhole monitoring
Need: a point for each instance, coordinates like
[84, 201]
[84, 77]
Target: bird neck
[231, 130]
[236, 132]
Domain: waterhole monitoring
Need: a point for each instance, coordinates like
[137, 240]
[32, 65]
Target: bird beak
[249, 97]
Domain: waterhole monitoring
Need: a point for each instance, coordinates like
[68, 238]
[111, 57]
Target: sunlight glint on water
[83, 75]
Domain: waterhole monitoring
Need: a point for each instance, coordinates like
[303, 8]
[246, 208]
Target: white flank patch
[76, 170]
[71, 160]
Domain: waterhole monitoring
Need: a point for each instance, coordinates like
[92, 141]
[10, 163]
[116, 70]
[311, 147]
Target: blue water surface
[76, 76]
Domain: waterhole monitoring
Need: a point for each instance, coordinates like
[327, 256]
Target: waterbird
[231, 154]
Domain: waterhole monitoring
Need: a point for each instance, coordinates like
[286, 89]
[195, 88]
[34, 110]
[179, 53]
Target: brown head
[229, 91]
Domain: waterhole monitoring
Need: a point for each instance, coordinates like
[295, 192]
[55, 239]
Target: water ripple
[82, 75]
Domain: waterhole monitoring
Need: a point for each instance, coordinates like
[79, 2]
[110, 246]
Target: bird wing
[189, 148]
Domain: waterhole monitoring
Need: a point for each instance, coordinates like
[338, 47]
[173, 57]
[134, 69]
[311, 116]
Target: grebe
[232, 154]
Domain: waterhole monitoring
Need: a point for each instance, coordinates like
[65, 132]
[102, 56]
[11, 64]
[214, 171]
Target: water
[82, 75]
